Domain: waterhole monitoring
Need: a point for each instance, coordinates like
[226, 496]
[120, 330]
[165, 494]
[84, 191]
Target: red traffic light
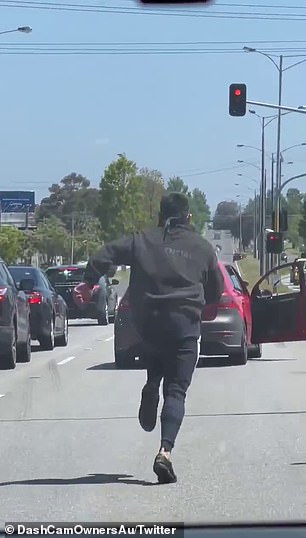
[237, 99]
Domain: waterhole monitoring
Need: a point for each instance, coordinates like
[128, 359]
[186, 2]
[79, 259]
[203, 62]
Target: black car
[103, 308]
[49, 312]
[15, 338]
[237, 256]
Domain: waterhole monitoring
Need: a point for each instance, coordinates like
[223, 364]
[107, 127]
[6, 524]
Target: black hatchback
[49, 312]
[15, 339]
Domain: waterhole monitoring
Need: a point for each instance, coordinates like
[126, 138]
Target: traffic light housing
[275, 243]
[283, 220]
[237, 99]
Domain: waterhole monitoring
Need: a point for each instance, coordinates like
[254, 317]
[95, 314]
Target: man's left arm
[116, 253]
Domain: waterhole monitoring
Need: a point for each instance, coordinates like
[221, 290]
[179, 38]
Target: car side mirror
[246, 283]
[26, 284]
[115, 282]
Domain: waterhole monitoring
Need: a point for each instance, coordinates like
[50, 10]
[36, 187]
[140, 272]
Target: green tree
[199, 209]
[176, 184]
[121, 209]
[11, 244]
[302, 223]
[89, 240]
[225, 215]
[153, 189]
[72, 195]
[51, 239]
[295, 208]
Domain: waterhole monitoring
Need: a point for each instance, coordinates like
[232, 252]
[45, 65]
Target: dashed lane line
[64, 361]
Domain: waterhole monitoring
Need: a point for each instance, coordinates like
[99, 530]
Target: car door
[56, 306]
[243, 295]
[22, 307]
[279, 307]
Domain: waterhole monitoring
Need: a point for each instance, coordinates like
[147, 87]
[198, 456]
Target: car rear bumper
[127, 338]
[222, 336]
[40, 316]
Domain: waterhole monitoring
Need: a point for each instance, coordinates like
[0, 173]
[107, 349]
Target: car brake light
[2, 294]
[34, 297]
[227, 301]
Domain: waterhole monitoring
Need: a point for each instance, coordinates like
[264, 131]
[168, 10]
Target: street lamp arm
[269, 58]
[289, 181]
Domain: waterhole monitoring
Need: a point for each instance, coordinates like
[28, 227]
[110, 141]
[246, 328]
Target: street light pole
[263, 200]
[255, 225]
[278, 150]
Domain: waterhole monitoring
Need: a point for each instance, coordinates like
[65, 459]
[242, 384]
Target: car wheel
[47, 342]
[24, 350]
[62, 340]
[124, 360]
[255, 351]
[240, 357]
[8, 358]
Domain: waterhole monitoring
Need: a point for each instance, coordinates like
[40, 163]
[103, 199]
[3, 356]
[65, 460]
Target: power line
[27, 4]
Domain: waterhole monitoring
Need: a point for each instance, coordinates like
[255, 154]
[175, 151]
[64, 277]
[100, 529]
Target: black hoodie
[176, 271]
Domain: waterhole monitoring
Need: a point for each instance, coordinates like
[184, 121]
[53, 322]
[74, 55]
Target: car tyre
[255, 351]
[62, 340]
[47, 342]
[240, 357]
[8, 359]
[24, 350]
[124, 360]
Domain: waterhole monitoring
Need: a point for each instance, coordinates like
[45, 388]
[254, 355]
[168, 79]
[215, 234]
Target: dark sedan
[49, 312]
[103, 308]
[15, 339]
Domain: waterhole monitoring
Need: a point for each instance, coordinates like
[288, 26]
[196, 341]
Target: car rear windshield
[65, 275]
[21, 273]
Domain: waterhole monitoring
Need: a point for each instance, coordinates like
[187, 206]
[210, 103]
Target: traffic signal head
[237, 99]
[274, 243]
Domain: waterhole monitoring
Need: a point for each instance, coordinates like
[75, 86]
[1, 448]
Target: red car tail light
[227, 301]
[2, 294]
[34, 297]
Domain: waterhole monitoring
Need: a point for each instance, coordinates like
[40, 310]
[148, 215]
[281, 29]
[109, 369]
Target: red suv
[275, 311]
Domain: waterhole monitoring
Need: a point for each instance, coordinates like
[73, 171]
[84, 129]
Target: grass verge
[249, 268]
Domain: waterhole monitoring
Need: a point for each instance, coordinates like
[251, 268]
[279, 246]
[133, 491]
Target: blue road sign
[17, 201]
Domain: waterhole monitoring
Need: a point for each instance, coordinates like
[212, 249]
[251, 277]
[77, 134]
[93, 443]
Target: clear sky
[65, 113]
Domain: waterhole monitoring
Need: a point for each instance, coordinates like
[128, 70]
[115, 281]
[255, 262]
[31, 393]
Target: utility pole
[263, 201]
[255, 225]
[240, 229]
[72, 238]
[272, 205]
[278, 150]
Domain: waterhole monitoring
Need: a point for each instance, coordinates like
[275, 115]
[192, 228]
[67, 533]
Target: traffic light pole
[278, 107]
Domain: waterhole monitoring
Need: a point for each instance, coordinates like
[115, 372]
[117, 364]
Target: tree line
[227, 216]
[75, 219]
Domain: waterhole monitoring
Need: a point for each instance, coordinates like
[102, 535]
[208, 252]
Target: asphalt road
[72, 449]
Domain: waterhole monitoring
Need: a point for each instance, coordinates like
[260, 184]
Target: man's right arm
[214, 282]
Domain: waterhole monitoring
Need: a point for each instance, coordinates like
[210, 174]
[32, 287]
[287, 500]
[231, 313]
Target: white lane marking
[109, 339]
[64, 361]
[2, 395]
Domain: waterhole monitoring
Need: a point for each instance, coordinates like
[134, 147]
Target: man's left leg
[150, 393]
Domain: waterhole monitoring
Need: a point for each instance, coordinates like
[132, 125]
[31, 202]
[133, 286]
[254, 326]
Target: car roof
[72, 266]
[26, 267]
